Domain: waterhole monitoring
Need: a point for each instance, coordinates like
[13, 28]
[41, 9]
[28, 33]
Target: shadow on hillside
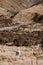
[38, 18]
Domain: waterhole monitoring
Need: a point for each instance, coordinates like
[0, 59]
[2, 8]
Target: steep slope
[14, 5]
[27, 14]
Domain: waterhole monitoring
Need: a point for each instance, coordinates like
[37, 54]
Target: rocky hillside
[26, 28]
[21, 32]
[14, 5]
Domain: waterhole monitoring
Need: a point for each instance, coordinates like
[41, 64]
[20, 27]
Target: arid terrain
[27, 55]
[21, 32]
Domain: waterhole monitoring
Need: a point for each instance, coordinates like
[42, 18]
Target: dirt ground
[26, 56]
